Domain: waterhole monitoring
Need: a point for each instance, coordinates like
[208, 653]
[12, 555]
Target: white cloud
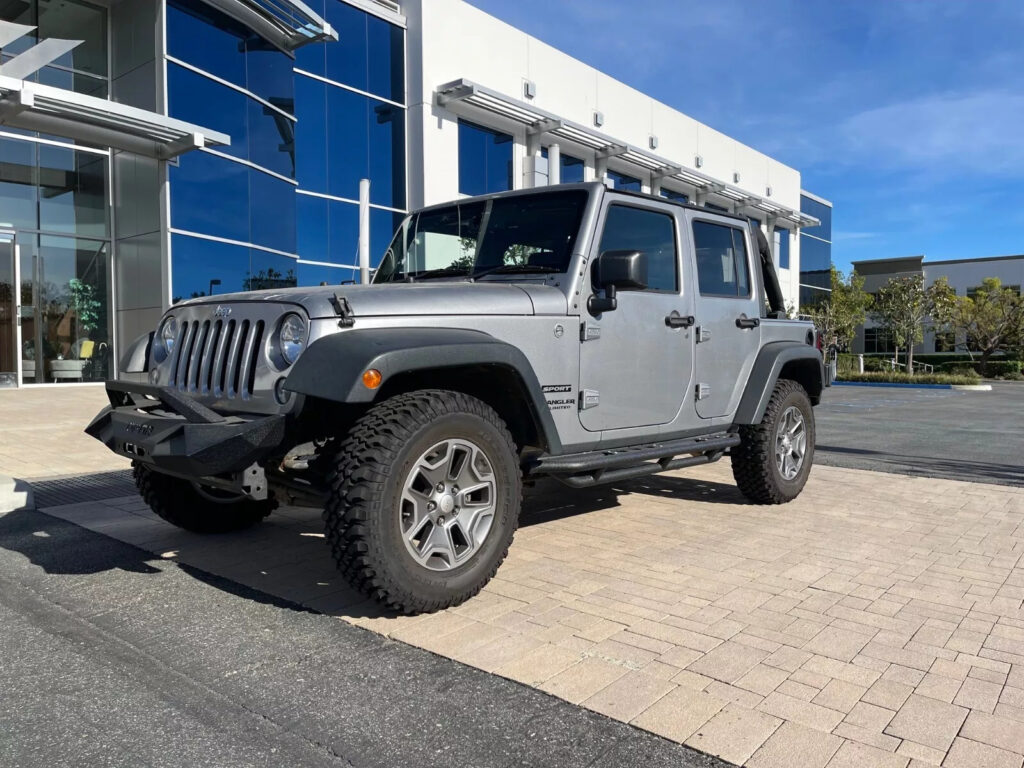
[967, 132]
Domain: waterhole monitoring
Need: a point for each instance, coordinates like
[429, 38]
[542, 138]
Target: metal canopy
[467, 92]
[287, 24]
[36, 107]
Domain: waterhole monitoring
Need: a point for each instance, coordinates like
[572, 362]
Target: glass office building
[97, 238]
[815, 251]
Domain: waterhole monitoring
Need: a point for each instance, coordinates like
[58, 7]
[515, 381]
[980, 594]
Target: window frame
[696, 266]
[677, 244]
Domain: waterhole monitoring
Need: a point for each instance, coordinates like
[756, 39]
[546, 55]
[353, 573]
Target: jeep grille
[217, 357]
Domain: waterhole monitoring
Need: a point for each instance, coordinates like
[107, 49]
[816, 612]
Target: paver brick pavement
[877, 618]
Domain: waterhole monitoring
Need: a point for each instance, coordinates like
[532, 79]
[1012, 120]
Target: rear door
[634, 367]
[728, 314]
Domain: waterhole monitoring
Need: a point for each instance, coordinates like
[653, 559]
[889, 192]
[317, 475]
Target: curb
[903, 385]
[15, 495]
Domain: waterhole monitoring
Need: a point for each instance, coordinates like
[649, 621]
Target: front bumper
[175, 434]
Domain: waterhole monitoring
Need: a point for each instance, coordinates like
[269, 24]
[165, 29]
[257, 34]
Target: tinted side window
[633, 229]
[722, 268]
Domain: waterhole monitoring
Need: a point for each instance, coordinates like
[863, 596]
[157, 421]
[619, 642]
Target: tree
[988, 320]
[901, 307]
[838, 316]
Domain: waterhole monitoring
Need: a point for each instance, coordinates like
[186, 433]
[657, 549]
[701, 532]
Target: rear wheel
[424, 500]
[772, 462]
[195, 507]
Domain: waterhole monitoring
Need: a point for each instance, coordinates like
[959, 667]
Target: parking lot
[876, 620]
[963, 435]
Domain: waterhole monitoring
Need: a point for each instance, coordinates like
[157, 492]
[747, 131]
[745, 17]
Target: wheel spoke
[439, 544]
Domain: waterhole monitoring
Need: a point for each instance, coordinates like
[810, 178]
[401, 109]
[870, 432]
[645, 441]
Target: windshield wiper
[429, 273]
[534, 269]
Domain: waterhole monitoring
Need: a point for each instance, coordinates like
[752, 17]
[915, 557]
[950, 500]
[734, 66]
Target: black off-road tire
[179, 503]
[753, 460]
[362, 512]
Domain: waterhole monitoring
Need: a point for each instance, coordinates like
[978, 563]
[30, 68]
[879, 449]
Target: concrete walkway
[41, 432]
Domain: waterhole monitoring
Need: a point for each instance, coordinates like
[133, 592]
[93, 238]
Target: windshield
[521, 234]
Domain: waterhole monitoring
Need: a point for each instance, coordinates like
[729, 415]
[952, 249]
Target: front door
[10, 320]
[634, 365]
[728, 315]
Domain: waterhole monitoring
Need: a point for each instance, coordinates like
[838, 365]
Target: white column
[554, 164]
[364, 231]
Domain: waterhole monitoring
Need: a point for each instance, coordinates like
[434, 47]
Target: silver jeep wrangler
[574, 332]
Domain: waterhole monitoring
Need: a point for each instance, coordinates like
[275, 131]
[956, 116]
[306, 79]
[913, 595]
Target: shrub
[994, 369]
[875, 364]
[846, 364]
[895, 377]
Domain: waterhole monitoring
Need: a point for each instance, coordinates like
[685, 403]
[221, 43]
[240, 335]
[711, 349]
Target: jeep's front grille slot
[219, 368]
[196, 359]
[223, 358]
[250, 358]
[206, 372]
[235, 359]
[185, 354]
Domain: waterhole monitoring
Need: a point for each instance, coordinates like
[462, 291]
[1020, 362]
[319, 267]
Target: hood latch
[343, 310]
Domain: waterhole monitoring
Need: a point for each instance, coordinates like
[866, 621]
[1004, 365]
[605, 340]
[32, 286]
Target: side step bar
[581, 470]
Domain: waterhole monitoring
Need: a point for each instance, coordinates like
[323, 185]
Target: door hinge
[703, 391]
[703, 334]
[589, 330]
[589, 398]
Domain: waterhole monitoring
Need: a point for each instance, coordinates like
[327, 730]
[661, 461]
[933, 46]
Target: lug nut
[431, 506]
[440, 487]
[440, 520]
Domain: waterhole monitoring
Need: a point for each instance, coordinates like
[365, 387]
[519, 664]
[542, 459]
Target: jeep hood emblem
[221, 311]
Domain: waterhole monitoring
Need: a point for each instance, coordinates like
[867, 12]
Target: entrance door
[10, 312]
[728, 315]
[635, 364]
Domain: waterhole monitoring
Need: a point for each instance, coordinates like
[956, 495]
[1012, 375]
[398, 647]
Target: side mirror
[615, 271]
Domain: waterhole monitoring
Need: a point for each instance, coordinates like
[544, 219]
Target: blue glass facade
[304, 131]
[815, 252]
[485, 159]
[622, 181]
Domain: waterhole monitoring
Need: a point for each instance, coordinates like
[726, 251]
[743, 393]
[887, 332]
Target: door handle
[747, 322]
[675, 320]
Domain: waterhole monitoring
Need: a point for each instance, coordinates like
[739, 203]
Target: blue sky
[907, 114]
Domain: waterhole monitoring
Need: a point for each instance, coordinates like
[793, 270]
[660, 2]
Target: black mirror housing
[625, 270]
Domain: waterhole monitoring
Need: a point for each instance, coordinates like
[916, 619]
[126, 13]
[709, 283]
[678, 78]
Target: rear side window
[722, 268]
[634, 229]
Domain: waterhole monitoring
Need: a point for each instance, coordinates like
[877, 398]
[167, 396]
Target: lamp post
[213, 282]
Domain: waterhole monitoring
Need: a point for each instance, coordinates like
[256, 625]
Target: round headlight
[291, 337]
[166, 335]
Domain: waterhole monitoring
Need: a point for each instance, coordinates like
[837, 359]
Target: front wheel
[774, 458]
[195, 507]
[424, 500]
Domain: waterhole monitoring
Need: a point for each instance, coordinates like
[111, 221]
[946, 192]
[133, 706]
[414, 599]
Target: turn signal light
[372, 378]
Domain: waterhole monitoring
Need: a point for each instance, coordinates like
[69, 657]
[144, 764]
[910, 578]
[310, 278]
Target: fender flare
[332, 367]
[765, 372]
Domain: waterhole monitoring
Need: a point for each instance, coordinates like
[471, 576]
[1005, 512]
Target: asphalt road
[962, 435]
[111, 658]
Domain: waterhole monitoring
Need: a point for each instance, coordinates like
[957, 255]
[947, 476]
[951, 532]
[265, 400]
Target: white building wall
[449, 40]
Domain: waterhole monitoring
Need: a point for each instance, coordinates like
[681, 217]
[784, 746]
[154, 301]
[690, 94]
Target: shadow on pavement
[284, 561]
[928, 466]
[53, 547]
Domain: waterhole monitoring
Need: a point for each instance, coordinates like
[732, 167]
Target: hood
[431, 297]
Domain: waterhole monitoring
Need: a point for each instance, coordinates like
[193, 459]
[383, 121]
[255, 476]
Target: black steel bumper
[173, 433]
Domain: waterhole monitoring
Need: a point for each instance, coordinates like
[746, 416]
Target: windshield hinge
[343, 310]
